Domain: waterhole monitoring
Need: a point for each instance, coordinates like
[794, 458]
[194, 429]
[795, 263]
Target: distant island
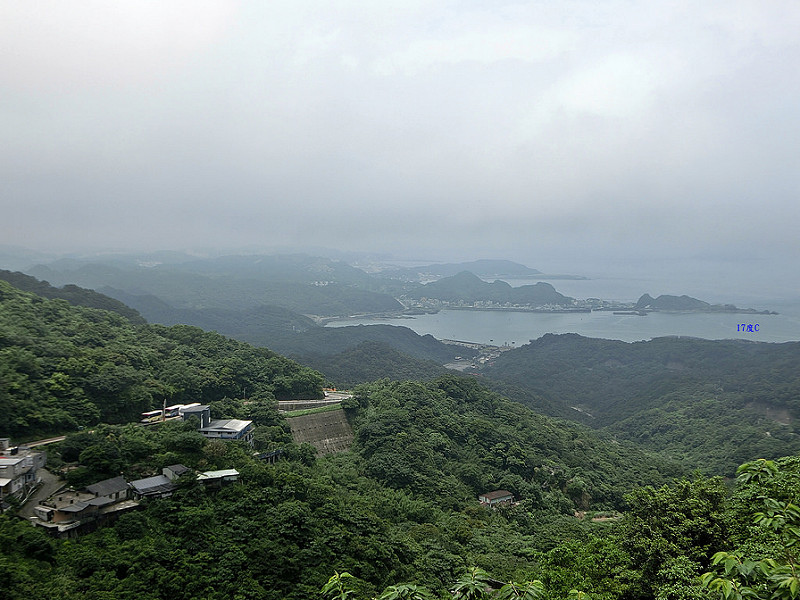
[466, 290]
[684, 303]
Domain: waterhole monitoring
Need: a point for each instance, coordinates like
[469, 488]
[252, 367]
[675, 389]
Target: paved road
[50, 483]
[43, 442]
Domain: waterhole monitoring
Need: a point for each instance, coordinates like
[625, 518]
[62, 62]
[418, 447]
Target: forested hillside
[73, 294]
[400, 510]
[370, 361]
[65, 366]
[401, 352]
[401, 507]
[714, 404]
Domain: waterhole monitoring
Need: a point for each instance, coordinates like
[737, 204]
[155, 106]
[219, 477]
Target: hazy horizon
[577, 136]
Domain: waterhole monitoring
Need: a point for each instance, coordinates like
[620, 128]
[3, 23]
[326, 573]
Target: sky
[554, 133]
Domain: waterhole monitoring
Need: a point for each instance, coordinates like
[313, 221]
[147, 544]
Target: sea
[505, 328]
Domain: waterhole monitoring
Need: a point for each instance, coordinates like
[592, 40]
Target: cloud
[660, 128]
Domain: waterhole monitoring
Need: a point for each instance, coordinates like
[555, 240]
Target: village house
[222, 429]
[496, 498]
[216, 479]
[159, 486]
[69, 513]
[18, 469]
[172, 472]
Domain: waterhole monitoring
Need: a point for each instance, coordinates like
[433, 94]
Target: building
[158, 486]
[218, 429]
[172, 472]
[200, 411]
[112, 489]
[496, 498]
[229, 429]
[68, 514]
[218, 478]
[18, 469]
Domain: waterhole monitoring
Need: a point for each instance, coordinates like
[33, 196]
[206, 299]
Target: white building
[18, 469]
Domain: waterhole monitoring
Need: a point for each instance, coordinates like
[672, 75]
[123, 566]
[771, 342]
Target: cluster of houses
[18, 469]
[69, 513]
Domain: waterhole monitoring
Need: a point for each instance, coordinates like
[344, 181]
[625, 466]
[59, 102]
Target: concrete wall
[328, 432]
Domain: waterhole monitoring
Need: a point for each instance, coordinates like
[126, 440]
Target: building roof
[108, 486]
[153, 485]
[226, 426]
[497, 494]
[75, 507]
[102, 501]
[178, 469]
[217, 474]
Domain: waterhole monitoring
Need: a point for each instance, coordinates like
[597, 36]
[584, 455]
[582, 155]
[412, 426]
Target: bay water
[516, 328]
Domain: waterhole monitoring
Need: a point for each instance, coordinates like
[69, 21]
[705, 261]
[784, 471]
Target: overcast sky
[540, 131]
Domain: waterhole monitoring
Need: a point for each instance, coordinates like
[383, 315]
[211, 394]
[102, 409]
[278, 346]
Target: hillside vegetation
[401, 506]
[73, 294]
[714, 404]
[370, 361]
[64, 366]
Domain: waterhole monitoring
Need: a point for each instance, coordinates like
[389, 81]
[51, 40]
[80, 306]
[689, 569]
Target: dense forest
[714, 404]
[77, 296]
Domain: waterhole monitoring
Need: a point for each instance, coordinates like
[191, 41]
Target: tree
[530, 590]
[472, 585]
[778, 578]
[685, 519]
[405, 591]
[338, 587]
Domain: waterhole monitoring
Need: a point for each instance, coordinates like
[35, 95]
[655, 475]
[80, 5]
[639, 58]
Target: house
[18, 469]
[158, 486]
[219, 429]
[229, 429]
[68, 513]
[218, 478]
[172, 472]
[113, 489]
[496, 498]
